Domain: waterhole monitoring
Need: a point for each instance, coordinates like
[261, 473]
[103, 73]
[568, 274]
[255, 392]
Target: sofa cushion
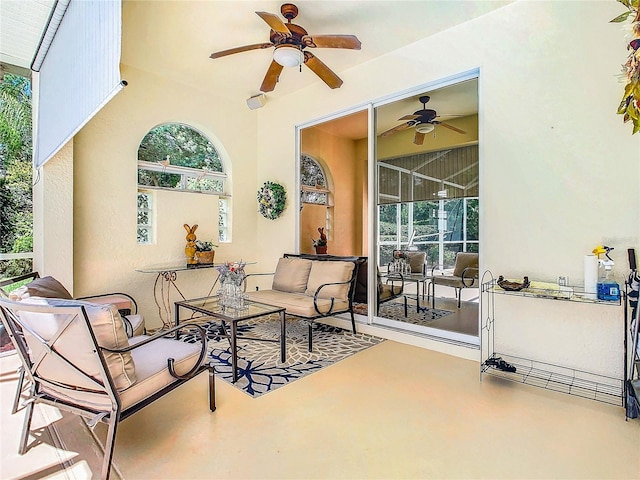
[330, 272]
[46, 287]
[291, 275]
[297, 303]
[107, 327]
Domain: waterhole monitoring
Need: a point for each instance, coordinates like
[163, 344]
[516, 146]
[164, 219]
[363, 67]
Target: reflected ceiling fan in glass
[424, 121]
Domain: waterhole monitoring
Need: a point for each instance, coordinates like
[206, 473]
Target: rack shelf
[537, 373]
[560, 379]
[569, 294]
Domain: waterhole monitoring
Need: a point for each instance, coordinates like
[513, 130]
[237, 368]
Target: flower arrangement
[399, 254]
[630, 104]
[204, 246]
[272, 198]
[232, 272]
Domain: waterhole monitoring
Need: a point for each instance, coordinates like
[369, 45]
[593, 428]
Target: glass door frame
[372, 210]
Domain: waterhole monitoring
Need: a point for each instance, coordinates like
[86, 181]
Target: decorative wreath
[271, 200]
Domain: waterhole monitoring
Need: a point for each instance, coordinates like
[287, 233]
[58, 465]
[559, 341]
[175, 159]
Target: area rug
[395, 311]
[259, 367]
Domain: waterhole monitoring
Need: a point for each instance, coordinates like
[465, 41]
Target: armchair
[77, 357]
[417, 260]
[465, 275]
[49, 287]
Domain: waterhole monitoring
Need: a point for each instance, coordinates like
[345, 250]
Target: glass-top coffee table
[209, 307]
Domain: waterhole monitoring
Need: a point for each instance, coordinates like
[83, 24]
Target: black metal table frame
[233, 337]
[418, 279]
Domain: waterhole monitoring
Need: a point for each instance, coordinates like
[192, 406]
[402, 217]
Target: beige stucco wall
[53, 218]
[559, 170]
[106, 255]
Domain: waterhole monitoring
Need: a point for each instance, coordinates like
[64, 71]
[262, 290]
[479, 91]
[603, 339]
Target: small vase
[230, 295]
[321, 250]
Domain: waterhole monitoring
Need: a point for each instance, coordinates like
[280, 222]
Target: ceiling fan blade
[450, 127]
[409, 117]
[246, 48]
[274, 22]
[419, 138]
[271, 78]
[391, 131]
[325, 73]
[332, 41]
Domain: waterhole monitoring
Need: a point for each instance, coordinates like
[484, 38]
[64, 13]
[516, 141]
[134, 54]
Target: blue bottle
[608, 288]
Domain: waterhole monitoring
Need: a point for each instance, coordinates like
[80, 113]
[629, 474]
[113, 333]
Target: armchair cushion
[465, 260]
[291, 275]
[417, 261]
[152, 373]
[47, 287]
[330, 272]
[108, 328]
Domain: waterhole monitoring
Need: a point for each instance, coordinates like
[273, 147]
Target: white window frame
[184, 172]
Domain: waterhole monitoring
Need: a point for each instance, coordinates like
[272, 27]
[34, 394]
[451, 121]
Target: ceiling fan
[290, 42]
[424, 122]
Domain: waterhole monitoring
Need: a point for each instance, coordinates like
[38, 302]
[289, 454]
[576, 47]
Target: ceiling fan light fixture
[425, 127]
[288, 56]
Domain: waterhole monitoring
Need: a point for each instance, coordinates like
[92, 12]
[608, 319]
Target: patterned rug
[395, 311]
[259, 367]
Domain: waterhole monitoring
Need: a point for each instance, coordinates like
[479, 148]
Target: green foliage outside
[16, 205]
[180, 145]
[425, 224]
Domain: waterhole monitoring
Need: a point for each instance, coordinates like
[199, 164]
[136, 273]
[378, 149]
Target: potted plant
[205, 252]
[321, 244]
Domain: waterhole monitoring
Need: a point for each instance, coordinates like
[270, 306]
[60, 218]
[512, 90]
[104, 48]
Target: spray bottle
[608, 288]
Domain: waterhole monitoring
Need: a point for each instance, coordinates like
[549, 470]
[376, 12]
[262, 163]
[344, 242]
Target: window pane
[454, 220]
[425, 222]
[386, 254]
[179, 145]
[388, 223]
[450, 252]
[404, 223]
[204, 184]
[223, 220]
[158, 179]
[311, 173]
[472, 219]
[145, 218]
[144, 236]
[314, 197]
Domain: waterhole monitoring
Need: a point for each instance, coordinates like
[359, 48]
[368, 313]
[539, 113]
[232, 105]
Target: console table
[166, 276]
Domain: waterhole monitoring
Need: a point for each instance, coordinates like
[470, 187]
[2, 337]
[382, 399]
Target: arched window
[313, 182]
[177, 157]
